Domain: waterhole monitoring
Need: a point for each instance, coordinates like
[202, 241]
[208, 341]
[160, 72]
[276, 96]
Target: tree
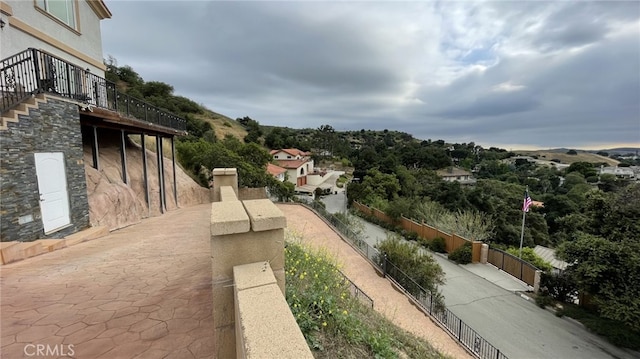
[605, 253]
[377, 186]
[585, 168]
[609, 271]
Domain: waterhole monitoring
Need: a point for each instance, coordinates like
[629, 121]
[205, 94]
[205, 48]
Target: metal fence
[34, 71]
[459, 330]
[513, 265]
[357, 293]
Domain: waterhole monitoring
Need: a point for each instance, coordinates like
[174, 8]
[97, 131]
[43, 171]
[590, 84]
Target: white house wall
[314, 180]
[87, 46]
[292, 176]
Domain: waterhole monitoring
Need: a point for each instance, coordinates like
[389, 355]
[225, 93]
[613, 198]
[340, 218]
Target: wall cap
[264, 215]
[228, 218]
[253, 275]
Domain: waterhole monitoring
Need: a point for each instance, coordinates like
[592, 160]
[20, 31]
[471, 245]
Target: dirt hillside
[114, 204]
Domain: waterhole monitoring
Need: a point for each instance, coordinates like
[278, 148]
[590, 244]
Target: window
[63, 10]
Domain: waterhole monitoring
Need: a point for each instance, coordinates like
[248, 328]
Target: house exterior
[297, 163]
[276, 171]
[619, 172]
[69, 29]
[549, 256]
[54, 100]
[454, 174]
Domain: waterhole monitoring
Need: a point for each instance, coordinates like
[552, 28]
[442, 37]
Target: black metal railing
[358, 293]
[428, 302]
[34, 71]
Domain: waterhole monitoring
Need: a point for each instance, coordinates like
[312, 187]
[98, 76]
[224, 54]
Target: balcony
[34, 72]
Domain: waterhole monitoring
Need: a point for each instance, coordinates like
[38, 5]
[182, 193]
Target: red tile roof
[291, 164]
[291, 151]
[275, 170]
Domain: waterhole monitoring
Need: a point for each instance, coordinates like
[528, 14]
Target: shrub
[528, 255]
[411, 236]
[333, 322]
[409, 267]
[616, 332]
[543, 300]
[438, 245]
[462, 254]
[558, 286]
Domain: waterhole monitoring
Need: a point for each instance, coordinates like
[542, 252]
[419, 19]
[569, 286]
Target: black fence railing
[459, 330]
[358, 293]
[33, 71]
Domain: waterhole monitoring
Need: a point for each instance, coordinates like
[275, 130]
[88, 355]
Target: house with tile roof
[297, 163]
[276, 171]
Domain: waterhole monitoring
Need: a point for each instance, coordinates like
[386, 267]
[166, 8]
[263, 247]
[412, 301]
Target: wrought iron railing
[459, 330]
[358, 293]
[34, 71]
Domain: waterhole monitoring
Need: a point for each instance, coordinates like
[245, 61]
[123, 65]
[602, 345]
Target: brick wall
[53, 126]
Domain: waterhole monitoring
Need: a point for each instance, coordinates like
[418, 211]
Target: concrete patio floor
[141, 292]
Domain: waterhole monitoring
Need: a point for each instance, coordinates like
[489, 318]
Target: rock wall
[50, 126]
[113, 203]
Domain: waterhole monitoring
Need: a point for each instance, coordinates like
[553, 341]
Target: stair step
[22, 109]
[9, 252]
[86, 235]
[51, 245]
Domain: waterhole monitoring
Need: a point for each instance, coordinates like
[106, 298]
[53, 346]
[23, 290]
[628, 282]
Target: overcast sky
[520, 74]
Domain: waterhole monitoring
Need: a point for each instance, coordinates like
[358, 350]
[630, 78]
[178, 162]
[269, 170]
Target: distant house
[297, 163]
[454, 174]
[277, 172]
[549, 255]
[619, 172]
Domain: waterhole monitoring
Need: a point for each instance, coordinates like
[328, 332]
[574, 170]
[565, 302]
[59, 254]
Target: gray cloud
[517, 73]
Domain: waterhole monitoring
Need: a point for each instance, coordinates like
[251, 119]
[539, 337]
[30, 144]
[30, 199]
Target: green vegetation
[335, 324]
[617, 333]
[462, 254]
[605, 252]
[407, 258]
[341, 181]
[530, 256]
[438, 245]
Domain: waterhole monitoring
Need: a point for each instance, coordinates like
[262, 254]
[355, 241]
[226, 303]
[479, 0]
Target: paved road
[335, 202]
[517, 327]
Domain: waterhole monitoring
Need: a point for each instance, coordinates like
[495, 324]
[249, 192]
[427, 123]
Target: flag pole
[524, 215]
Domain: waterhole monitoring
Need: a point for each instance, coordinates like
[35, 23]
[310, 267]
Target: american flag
[527, 202]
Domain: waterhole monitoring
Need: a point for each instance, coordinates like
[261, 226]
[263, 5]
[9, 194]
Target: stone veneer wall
[53, 126]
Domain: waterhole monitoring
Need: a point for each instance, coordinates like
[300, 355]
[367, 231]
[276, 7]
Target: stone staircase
[22, 109]
[16, 251]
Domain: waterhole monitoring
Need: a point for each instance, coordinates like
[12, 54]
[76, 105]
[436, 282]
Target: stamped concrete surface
[141, 292]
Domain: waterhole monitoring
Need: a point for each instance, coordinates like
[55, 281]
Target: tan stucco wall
[245, 232]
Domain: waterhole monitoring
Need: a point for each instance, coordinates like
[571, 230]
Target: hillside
[223, 125]
[563, 157]
[113, 203]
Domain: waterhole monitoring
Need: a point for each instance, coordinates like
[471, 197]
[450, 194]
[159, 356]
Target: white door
[52, 184]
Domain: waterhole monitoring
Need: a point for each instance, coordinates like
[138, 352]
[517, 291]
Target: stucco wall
[87, 42]
[53, 126]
